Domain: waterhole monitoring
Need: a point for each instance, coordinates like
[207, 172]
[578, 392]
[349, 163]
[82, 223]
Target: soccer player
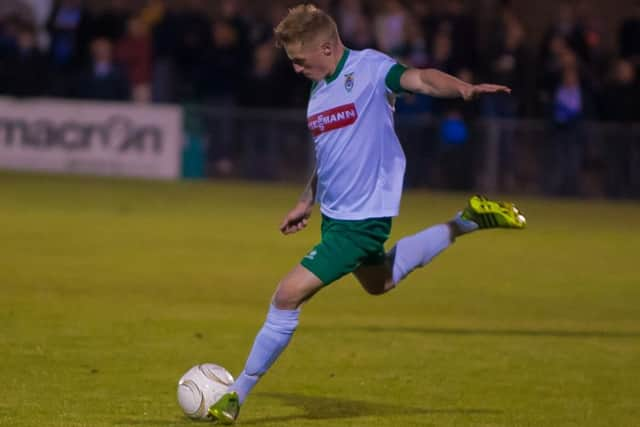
[357, 181]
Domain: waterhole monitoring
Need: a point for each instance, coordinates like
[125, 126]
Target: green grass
[111, 289]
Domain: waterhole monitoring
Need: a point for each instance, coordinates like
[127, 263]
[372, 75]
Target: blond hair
[304, 23]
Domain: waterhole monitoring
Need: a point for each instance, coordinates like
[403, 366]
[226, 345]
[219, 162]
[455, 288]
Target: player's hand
[471, 92]
[297, 218]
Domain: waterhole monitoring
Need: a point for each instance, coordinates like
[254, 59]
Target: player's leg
[375, 279]
[297, 286]
[419, 249]
[334, 257]
[282, 319]
[408, 254]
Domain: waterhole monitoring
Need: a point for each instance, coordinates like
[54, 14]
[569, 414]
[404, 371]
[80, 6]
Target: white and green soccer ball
[201, 387]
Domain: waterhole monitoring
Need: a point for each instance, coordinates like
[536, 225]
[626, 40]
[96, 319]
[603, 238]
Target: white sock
[272, 339]
[418, 250]
[465, 225]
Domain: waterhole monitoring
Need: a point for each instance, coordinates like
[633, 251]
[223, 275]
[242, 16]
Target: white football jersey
[360, 163]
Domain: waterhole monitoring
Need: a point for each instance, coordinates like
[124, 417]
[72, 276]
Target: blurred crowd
[224, 55]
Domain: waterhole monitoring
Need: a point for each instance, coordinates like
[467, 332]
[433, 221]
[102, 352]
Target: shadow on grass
[173, 422]
[556, 333]
[321, 408]
[164, 423]
[331, 408]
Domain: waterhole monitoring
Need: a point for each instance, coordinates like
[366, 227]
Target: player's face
[312, 60]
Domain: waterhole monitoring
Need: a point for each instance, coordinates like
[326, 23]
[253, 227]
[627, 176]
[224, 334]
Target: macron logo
[335, 118]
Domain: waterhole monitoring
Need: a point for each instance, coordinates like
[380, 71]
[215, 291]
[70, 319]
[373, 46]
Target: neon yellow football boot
[226, 409]
[493, 214]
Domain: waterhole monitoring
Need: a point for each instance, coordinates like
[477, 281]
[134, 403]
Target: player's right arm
[298, 217]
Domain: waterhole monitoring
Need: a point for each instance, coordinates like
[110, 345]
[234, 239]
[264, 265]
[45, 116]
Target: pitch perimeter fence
[491, 155]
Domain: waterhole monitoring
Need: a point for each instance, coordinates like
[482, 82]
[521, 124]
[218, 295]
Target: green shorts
[346, 245]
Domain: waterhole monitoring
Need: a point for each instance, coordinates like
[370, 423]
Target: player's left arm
[432, 82]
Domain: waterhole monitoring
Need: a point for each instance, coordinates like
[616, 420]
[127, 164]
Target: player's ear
[326, 48]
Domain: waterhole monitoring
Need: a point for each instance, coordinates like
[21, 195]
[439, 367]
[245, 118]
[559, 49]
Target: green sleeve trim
[392, 80]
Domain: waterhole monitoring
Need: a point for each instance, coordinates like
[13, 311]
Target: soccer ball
[201, 387]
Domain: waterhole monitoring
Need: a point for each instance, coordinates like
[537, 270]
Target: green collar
[339, 67]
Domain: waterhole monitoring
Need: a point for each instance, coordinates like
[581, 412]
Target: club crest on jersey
[335, 118]
[348, 82]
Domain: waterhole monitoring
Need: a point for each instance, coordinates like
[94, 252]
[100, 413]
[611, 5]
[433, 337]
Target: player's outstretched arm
[298, 217]
[432, 82]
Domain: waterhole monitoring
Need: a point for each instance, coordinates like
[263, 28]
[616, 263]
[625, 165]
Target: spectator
[442, 55]
[389, 26]
[413, 50]
[290, 85]
[363, 36]
[572, 97]
[460, 27]
[218, 84]
[629, 37]
[621, 95]
[454, 152]
[223, 66]
[422, 12]
[103, 80]
[549, 71]
[572, 102]
[41, 12]
[423, 32]
[260, 88]
[26, 70]
[566, 27]
[230, 11]
[192, 42]
[595, 56]
[17, 10]
[163, 19]
[70, 30]
[133, 52]
[621, 104]
[264, 17]
[506, 64]
[112, 22]
[153, 12]
[349, 15]
[8, 37]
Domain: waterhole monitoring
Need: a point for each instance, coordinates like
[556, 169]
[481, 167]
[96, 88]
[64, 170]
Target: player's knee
[375, 291]
[284, 302]
[286, 299]
[380, 288]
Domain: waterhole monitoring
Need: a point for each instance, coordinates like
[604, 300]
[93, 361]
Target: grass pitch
[111, 289]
